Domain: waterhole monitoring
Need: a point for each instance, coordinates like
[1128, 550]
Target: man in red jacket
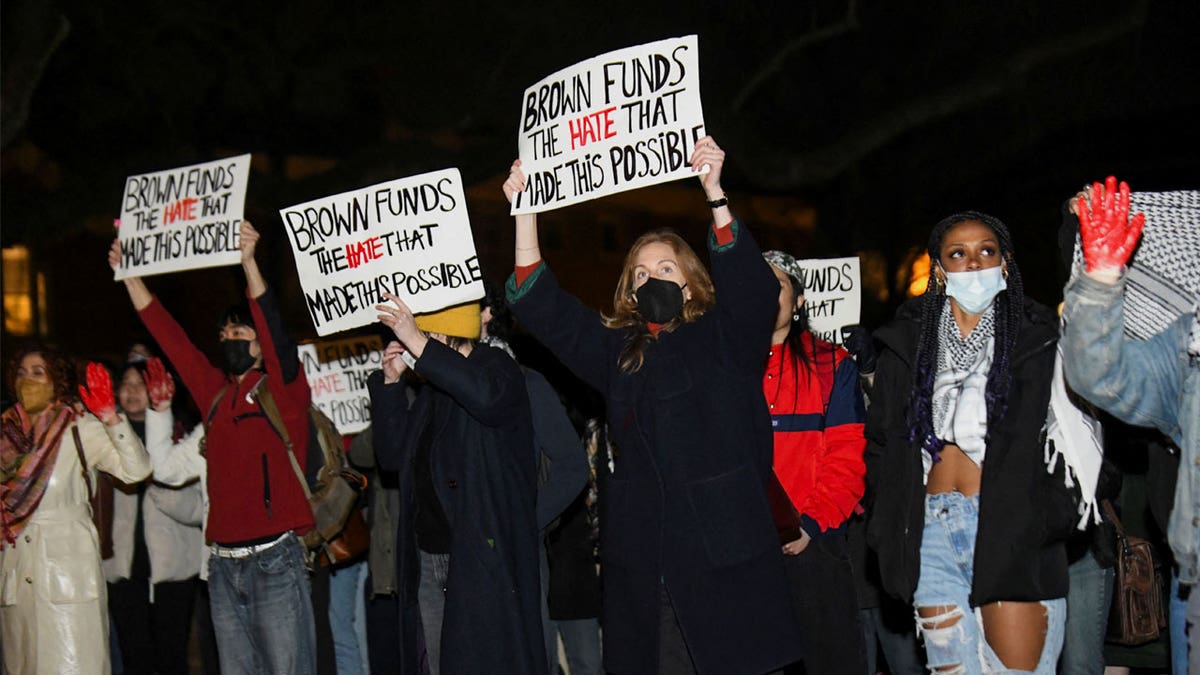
[257, 576]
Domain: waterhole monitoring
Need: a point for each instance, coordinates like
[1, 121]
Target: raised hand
[393, 362]
[98, 394]
[247, 240]
[160, 386]
[515, 182]
[402, 322]
[707, 153]
[1108, 233]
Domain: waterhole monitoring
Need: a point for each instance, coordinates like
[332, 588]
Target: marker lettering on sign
[592, 127]
[311, 226]
[184, 209]
[555, 99]
[653, 112]
[643, 76]
[664, 153]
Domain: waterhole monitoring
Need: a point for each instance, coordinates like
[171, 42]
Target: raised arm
[1136, 381]
[528, 252]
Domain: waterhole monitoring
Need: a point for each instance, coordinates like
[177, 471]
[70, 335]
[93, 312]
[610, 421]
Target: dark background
[851, 127]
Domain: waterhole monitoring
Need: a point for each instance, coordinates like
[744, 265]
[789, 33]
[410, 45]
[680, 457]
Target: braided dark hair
[1009, 307]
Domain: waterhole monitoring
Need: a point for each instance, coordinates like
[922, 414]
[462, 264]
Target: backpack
[332, 487]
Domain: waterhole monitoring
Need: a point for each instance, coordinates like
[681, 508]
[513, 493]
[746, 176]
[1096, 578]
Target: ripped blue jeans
[947, 565]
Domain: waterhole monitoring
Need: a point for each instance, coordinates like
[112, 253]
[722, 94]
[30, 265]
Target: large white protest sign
[619, 121]
[410, 237]
[183, 218]
[832, 295]
[337, 373]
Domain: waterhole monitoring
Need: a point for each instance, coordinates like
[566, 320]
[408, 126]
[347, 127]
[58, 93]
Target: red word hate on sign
[184, 209]
[327, 384]
[364, 251]
[592, 127]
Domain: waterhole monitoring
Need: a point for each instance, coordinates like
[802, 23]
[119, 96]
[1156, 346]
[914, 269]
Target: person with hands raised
[54, 617]
[257, 509]
[1152, 383]
[693, 574]
[467, 539]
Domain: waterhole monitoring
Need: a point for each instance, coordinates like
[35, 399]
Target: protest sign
[410, 237]
[832, 295]
[337, 373]
[183, 219]
[619, 121]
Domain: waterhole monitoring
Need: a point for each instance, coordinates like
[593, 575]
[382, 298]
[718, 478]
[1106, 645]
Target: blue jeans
[947, 566]
[581, 643]
[431, 596]
[348, 618]
[262, 611]
[1087, 616]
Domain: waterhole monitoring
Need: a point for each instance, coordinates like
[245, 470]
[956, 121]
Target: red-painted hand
[98, 394]
[1109, 235]
[160, 386]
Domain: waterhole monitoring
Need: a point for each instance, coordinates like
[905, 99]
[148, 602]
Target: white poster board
[337, 373]
[410, 237]
[616, 122]
[832, 295]
[183, 219]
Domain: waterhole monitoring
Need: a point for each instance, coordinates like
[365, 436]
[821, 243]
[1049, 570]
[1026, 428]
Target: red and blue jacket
[817, 416]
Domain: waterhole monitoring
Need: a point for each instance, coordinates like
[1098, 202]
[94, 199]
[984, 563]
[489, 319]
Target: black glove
[858, 342]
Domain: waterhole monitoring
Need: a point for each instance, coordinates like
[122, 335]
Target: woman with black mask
[693, 576]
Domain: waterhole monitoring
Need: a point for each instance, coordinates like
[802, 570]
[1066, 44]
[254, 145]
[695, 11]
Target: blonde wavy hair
[625, 312]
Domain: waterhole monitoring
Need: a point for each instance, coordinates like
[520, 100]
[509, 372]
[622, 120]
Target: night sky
[850, 126]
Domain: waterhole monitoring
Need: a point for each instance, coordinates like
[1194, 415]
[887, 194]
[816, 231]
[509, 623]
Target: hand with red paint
[1108, 233]
[98, 394]
[160, 386]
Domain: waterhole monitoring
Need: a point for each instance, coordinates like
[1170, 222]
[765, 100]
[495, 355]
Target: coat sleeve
[488, 385]
[201, 378]
[1136, 381]
[841, 472]
[285, 377]
[574, 333]
[389, 420]
[556, 439]
[890, 377]
[115, 449]
[747, 299]
[174, 463]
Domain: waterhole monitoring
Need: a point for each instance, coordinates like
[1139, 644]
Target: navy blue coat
[686, 505]
[484, 472]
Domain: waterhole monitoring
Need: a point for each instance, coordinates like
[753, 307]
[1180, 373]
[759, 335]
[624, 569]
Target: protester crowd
[753, 500]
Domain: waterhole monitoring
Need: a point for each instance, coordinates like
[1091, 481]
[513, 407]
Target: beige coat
[53, 601]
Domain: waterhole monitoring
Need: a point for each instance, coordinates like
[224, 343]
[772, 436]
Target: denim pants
[947, 566]
[348, 618]
[431, 597]
[262, 611]
[1087, 616]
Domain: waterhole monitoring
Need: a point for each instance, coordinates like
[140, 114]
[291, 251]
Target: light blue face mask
[974, 291]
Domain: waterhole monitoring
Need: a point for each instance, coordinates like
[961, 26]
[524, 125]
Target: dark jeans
[823, 594]
[153, 637]
[673, 655]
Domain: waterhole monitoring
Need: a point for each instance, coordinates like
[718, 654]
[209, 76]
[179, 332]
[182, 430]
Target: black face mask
[237, 356]
[659, 300]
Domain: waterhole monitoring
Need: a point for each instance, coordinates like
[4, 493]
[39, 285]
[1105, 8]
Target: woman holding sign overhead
[693, 576]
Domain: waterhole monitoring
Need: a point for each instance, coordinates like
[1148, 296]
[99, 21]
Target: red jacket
[253, 490]
[817, 416]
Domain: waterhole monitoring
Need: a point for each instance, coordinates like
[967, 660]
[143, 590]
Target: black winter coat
[484, 471]
[1025, 514]
[686, 505]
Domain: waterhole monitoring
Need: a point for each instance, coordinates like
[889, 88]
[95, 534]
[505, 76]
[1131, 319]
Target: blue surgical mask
[974, 291]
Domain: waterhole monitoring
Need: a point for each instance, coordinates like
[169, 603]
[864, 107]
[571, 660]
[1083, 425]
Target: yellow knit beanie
[457, 321]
